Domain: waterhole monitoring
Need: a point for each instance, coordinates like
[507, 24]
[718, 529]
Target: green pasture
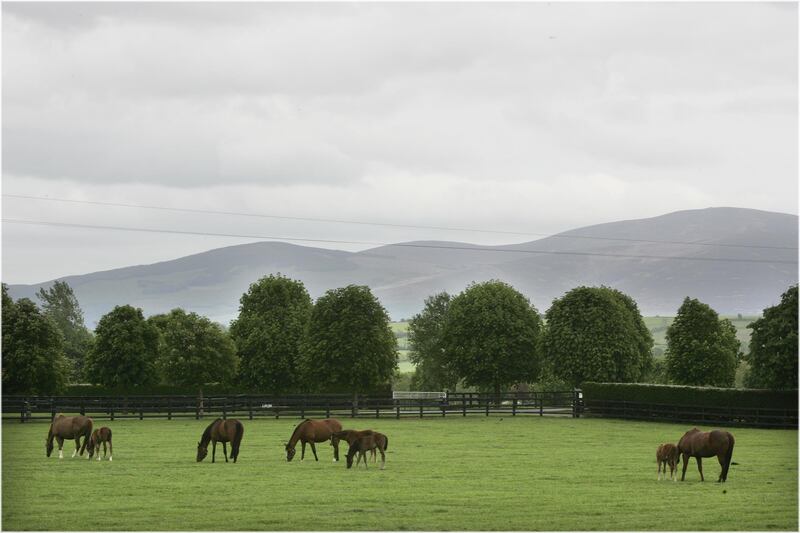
[454, 473]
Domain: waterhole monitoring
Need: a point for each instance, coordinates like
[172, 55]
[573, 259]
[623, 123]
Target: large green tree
[269, 332]
[60, 304]
[125, 350]
[33, 360]
[701, 348]
[350, 346]
[425, 339]
[491, 337]
[193, 350]
[597, 334]
[773, 346]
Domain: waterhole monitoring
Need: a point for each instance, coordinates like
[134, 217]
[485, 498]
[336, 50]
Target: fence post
[169, 407]
[420, 407]
[327, 408]
[52, 408]
[225, 408]
[487, 406]
[514, 406]
[141, 409]
[540, 397]
[397, 408]
[464, 405]
[83, 406]
[250, 407]
[111, 407]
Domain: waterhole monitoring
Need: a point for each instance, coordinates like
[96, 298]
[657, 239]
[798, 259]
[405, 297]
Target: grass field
[478, 473]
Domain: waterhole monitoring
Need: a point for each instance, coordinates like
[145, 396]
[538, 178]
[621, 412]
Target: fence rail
[28, 408]
[694, 414]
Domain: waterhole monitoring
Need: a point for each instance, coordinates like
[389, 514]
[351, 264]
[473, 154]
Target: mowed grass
[474, 473]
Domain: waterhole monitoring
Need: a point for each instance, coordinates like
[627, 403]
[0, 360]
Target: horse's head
[90, 446]
[48, 444]
[290, 451]
[202, 451]
[350, 453]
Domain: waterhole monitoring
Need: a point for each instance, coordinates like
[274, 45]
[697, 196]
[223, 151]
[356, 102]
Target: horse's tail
[237, 439]
[385, 443]
[728, 457]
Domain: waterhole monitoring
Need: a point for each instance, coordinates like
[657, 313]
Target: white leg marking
[74, 453]
[98, 457]
[60, 454]
[109, 457]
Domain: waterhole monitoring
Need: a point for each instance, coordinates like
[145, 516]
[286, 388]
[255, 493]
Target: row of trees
[280, 342]
[489, 337]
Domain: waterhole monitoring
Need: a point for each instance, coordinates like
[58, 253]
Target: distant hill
[658, 277]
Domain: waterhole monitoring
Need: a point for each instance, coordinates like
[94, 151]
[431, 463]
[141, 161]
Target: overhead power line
[400, 245]
[385, 224]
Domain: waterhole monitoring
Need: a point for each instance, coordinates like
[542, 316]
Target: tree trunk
[497, 399]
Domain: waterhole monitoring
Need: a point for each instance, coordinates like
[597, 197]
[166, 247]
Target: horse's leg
[86, 437]
[213, 450]
[685, 464]
[721, 459]
[314, 449]
[383, 458]
[225, 450]
[364, 456]
[77, 446]
[658, 477]
[303, 450]
[700, 467]
[60, 447]
[110, 450]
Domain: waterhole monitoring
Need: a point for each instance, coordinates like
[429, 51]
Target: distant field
[475, 473]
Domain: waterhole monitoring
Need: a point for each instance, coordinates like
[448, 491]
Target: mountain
[736, 260]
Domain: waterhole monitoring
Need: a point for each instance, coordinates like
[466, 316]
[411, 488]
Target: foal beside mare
[667, 454]
[102, 435]
[361, 442]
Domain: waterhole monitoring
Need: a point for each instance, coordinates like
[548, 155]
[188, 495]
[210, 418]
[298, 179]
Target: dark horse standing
[221, 431]
[69, 427]
[311, 431]
[699, 444]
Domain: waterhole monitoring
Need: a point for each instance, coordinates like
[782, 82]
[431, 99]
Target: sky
[519, 120]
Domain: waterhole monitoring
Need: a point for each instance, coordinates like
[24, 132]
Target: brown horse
[102, 435]
[667, 454]
[311, 431]
[223, 431]
[699, 444]
[68, 427]
[363, 441]
[350, 435]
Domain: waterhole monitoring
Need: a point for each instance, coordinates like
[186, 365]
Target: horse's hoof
[109, 458]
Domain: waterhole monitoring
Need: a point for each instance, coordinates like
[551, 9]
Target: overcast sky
[532, 117]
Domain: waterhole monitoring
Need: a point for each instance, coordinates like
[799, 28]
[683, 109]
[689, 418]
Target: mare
[667, 454]
[221, 431]
[311, 431]
[68, 427]
[350, 435]
[102, 435]
[363, 441]
[699, 444]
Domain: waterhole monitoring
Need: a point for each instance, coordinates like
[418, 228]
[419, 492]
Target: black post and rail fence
[568, 403]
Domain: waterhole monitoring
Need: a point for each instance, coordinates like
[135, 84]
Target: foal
[362, 442]
[102, 435]
[351, 435]
[667, 454]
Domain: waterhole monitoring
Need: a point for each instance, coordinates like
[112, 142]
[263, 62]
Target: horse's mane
[207, 433]
[296, 429]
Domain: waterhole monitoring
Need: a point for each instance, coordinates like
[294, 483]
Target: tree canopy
[425, 339]
[33, 360]
[773, 346]
[269, 332]
[701, 348]
[125, 350]
[61, 306]
[597, 334]
[350, 346]
[193, 350]
[491, 336]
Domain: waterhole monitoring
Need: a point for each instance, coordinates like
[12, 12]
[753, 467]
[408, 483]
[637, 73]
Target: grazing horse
[311, 431]
[68, 427]
[102, 435]
[351, 436]
[221, 431]
[699, 444]
[667, 454]
[363, 441]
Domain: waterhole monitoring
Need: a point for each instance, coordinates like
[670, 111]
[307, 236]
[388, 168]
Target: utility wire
[400, 245]
[384, 224]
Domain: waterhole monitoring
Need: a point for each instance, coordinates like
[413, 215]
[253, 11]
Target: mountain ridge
[698, 253]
